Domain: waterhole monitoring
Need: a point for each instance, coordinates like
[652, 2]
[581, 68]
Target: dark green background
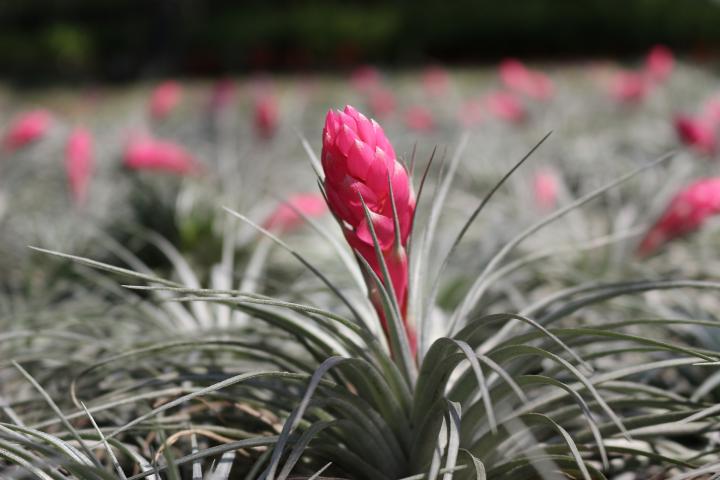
[50, 40]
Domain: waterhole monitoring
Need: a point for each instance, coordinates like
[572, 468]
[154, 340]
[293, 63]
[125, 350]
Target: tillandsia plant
[309, 390]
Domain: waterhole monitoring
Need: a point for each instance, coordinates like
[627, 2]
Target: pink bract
[27, 128]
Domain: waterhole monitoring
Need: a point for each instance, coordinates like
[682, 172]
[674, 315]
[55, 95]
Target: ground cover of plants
[510, 274]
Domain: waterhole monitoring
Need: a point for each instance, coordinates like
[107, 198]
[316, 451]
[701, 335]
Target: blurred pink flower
[698, 133]
[516, 76]
[164, 98]
[266, 115]
[471, 113]
[224, 93]
[359, 162]
[365, 78]
[659, 63]
[286, 216]
[419, 118]
[687, 211]
[26, 128]
[629, 87]
[79, 162]
[546, 186]
[436, 80]
[505, 106]
[382, 102]
[143, 153]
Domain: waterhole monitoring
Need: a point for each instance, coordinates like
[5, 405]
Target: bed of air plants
[493, 273]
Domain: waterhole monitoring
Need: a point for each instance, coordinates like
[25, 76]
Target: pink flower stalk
[79, 162]
[27, 128]
[419, 118]
[688, 210]
[659, 63]
[365, 78]
[698, 133]
[471, 113]
[359, 162]
[164, 98]
[505, 106]
[521, 79]
[436, 80]
[382, 102]
[266, 116]
[287, 216]
[223, 94]
[629, 87]
[160, 155]
[546, 186]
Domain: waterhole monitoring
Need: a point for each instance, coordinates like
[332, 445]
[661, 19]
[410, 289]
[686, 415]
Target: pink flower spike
[516, 76]
[79, 163]
[629, 87]
[266, 116]
[358, 161]
[698, 133]
[435, 80]
[159, 155]
[164, 98]
[287, 218]
[505, 106]
[419, 118]
[659, 63]
[687, 211]
[546, 186]
[27, 128]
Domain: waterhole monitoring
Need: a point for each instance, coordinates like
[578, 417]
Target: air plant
[319, 384]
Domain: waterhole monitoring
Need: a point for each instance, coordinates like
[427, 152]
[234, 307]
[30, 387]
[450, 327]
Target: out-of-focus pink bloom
[711, 111]
[505, 106]
[164, 98]
[287, 216]
[266, 116]
[698, 133]
[471, 113]
[365, 78]
[659, 63]
[143, 153]
[223, 94]
[687, 212]
[516, 76]
[546, 187]
[419, 118]
[26, 128]
[382, 102]
[79, 162]
[436, 80]
[359, 162]
[629, 87]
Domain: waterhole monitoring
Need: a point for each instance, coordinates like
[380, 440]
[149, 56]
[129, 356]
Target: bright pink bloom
[505, 106]
[359, 162]
[471, 113]
[629, 87]
[365, 78]
[419, 118]
[287, 216]
[519, 78]
[546, 186]
[266, 116]
[26, 128]
[79, 162]
[659, 63]
[164, 98]
[687, 212]
[698, 133]
[382, 102]
[152, 154]
[436, 80]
